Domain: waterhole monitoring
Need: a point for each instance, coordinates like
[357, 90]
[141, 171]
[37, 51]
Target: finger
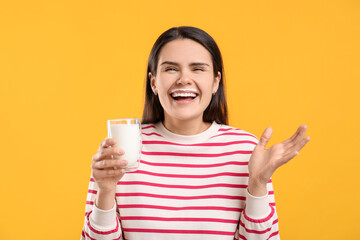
[293, 139]
[108, 142]
[293, 136]
[301, 134]
[108, 163]
[290, 151]
[302, 143]
[107, 173]
[265, 137]
[107, 153]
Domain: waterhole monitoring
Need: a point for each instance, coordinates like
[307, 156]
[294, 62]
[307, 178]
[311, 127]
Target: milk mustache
[128, 138]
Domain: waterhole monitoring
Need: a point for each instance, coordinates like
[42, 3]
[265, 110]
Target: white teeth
[182, 94]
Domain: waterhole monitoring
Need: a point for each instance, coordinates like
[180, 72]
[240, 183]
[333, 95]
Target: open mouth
[183, 95]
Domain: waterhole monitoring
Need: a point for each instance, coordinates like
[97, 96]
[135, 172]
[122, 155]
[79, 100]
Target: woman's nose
[185, 78]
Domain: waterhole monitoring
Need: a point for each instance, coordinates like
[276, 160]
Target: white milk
[128, 138]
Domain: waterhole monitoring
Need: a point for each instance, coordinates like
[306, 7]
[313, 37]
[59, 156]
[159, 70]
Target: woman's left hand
[263, 162]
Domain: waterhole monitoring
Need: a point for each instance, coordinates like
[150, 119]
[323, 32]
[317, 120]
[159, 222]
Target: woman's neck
[186, 127]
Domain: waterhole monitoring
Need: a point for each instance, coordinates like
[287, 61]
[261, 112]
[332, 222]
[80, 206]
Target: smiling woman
[199, 178]
[184, 84]
[197, 40]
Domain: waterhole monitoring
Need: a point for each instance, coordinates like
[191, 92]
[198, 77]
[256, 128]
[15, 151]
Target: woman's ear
[152, 83]
[216, 83]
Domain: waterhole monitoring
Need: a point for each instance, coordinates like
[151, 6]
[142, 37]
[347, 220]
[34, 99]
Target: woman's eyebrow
[199, 64]
[169, 63]
[191, 64]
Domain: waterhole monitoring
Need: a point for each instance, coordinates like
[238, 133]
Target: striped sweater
[187, 187]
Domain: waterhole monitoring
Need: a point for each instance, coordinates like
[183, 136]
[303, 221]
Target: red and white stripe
[187, 190]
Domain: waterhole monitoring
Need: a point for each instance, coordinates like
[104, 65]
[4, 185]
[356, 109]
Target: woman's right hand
[107, 167]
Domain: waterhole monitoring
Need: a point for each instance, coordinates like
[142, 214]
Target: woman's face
[184, 80]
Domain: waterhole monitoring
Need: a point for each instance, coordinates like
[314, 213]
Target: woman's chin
[185, 115]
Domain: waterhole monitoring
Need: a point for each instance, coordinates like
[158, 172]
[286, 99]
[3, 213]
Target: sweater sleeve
[99, 224]
[259, 218]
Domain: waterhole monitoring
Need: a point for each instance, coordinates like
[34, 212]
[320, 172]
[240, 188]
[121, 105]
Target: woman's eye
[170, 69]
[198, 69]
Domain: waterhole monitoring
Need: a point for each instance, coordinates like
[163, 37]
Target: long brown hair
[217, 109]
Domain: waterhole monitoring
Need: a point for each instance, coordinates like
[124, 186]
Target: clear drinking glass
[127, 133]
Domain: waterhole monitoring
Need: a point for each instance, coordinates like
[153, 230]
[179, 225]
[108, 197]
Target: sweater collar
[188, 139]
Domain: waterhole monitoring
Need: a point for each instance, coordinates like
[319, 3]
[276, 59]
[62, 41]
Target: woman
[198, 177]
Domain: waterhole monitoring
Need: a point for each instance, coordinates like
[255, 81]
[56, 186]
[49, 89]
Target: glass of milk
[127, 133]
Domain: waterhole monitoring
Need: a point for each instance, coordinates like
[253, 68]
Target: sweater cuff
[104, 218]
[257, 207]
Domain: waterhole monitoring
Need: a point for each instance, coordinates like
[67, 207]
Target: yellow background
[68, 66]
